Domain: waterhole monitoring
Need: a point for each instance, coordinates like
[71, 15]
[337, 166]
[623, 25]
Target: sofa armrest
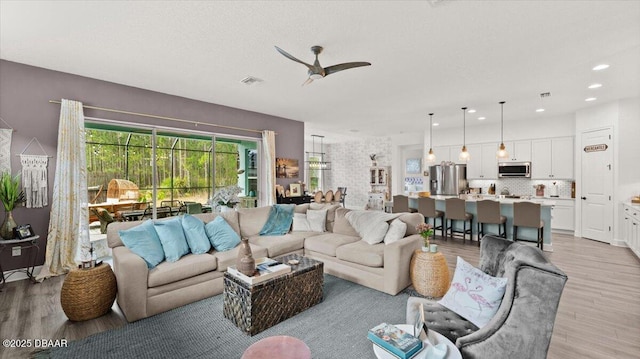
[397, 262]
[131, 276]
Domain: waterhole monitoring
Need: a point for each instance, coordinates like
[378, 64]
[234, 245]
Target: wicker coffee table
[430, 273]
[254, 308]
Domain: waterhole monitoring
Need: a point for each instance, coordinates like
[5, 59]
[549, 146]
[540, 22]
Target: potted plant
[426, 231]
[10, 195]
[227, 197]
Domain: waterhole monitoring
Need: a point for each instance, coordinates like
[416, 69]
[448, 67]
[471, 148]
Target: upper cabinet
[443, 153]
[519, 151]
[552, 158]
[483, 163]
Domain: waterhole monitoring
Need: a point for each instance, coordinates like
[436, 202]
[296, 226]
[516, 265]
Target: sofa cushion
[331, 213]
[396, 232]
[252, 220]
[361, 252]
[221, 235]
[143, 240]
[279, 221]
[279, 245]
[171, 234]
[300, 223]
[328, 243]
[188, 266]
[341, 225]
[196, 236]
[474, 295]
[228, 258]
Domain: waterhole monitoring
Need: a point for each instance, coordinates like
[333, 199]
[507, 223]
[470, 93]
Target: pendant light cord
[464, 127]
[430, 130]
[501, 121]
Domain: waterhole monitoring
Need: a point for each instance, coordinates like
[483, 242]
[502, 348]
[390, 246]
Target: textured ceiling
[427, 56]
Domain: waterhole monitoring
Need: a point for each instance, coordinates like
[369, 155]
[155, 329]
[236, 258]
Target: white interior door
[597, 185]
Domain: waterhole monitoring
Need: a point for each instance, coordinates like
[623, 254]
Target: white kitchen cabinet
[519, 151]
[483, 163]
[443, 153]
[552, 158]
[562, 215]
[632, 227]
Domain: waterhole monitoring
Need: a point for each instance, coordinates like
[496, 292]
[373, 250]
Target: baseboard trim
[619, 243]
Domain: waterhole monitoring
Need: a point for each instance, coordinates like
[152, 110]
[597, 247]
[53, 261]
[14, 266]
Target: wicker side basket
[88, 293]
[430, 273]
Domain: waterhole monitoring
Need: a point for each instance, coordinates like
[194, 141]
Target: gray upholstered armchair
[523, 324]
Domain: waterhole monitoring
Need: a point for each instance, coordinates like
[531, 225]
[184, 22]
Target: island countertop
[474, 198]
[506, 209]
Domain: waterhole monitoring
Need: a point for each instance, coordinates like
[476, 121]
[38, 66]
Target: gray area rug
[335, 328]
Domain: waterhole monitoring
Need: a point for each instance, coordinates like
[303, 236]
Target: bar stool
[527, 214]
[401, 204]
[427, 206]
[328, 197]
[455, 211]
[489, 213]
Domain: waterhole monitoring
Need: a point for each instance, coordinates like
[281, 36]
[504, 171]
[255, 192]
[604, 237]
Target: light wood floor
[598, 317]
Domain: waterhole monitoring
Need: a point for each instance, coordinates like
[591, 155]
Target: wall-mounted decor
[287, 168]
[413, 166]
[34, 177]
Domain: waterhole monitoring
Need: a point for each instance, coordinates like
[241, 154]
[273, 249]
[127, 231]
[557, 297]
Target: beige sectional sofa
[143, 292]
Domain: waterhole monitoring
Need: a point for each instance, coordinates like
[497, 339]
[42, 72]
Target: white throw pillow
[397, 230]
[300, 223]
[317, 220]
[474, 295]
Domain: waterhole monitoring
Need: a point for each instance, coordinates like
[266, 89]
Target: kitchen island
[506, 209]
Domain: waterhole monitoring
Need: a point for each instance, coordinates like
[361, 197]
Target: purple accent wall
[25, 92]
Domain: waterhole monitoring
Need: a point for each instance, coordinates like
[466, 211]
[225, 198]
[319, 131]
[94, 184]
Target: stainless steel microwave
[514, 169]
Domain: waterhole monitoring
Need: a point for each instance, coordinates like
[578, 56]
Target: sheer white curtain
[268, 163]
[69, 217]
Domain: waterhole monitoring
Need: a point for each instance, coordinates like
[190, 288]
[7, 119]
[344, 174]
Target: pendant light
[502, 150]
[315, 160]
[464, 154]
[431, 157]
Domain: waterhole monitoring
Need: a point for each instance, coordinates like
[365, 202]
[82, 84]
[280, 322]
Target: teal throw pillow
[144, 241]
[196, 236]
[221, 235]
[174, 243]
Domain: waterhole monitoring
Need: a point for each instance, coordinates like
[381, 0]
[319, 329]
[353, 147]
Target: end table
[88, 293]
[430, 273]
[25, 243]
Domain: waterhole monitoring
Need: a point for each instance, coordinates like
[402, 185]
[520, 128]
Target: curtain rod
[197, 123]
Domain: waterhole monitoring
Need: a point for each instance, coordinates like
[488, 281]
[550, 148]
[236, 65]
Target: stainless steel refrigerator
[448, 179]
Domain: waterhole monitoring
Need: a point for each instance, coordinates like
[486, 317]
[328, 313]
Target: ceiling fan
[316, 71]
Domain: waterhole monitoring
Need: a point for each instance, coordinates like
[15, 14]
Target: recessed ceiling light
[590, 99]
[436, 124]
[595, 86]
[482, 118]
[471, 111]
[600, 67]
[540, 110]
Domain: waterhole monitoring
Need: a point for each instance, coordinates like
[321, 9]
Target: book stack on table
[266, 268]
[395, 341]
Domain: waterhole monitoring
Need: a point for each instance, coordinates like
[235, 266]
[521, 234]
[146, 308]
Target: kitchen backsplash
[523, 186]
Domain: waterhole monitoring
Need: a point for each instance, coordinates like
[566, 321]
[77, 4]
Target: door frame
[579, 146]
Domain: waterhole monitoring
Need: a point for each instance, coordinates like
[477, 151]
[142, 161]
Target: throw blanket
[280, 219]
[371, 225]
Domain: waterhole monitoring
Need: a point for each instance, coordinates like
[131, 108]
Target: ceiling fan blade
[339, 67]
[309, 80]
[287, 55]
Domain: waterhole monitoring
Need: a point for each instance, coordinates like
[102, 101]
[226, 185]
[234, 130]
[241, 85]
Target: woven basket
[88, 293]
[430, 273]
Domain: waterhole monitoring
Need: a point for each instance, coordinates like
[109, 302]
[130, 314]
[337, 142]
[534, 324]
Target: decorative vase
[6, 231]
[245, 262]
